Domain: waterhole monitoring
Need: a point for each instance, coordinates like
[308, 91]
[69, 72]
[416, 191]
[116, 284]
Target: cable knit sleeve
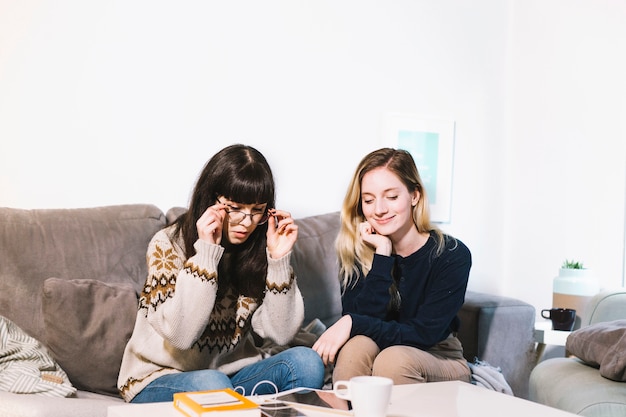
[179, 294]
[282, 312]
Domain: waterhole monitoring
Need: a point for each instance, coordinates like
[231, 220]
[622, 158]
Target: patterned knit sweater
[182, 326]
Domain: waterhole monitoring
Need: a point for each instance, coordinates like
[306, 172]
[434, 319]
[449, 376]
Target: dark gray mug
[562, 318]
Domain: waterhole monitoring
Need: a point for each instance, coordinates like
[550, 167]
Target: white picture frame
[431, 143]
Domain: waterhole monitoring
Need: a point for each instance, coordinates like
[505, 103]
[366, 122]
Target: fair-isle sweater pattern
[182, 326]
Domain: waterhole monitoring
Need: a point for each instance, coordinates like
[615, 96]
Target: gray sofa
[70, 278]
[592, 382]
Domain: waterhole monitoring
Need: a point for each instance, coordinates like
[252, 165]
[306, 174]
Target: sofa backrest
[607, 305]
[315, 264]
[103, 243]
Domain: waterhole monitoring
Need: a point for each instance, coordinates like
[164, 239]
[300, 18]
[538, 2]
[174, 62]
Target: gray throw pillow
[87, 326]
[602, 345]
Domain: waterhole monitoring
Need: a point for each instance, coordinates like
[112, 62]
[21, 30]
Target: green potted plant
[576, 274]
[567, 264]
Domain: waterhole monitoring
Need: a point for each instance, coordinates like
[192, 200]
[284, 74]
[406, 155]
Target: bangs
[251, 185]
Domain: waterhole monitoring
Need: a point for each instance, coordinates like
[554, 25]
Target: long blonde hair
[354, 254]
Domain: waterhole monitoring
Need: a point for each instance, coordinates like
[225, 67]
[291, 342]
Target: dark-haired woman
[219, 274]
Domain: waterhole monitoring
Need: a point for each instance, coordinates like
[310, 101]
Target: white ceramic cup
[369, 395]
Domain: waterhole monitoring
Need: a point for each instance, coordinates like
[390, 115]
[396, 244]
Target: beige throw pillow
[88, 324]
[602, 345]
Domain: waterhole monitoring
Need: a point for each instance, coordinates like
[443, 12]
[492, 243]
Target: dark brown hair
[241, 174]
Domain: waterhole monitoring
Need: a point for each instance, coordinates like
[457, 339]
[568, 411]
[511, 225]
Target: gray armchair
[574, 385]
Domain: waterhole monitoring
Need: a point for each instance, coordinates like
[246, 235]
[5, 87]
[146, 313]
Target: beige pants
[403, 364]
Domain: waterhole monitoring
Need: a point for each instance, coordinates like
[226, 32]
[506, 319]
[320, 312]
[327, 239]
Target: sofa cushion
[87, 326]
[26, 366]
[571, 385]
[602, 345]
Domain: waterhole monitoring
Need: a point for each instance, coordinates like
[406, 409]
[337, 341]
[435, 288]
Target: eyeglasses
[237, 216]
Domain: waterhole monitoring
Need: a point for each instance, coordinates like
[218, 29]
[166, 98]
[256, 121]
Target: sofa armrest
[500, 330]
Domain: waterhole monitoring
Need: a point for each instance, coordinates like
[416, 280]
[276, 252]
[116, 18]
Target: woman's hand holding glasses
[210, 224]
[282, 233]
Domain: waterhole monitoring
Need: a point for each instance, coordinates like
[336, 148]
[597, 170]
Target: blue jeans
[295, 367]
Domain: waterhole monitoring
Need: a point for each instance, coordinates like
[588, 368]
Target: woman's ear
[416, 198]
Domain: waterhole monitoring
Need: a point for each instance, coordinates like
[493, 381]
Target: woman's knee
[301, 354]
[207, 379]
[164, 387]
[355, 358]
[303, 365]
[407, 365]
[401, 364]
[360, 346]
[309, 366]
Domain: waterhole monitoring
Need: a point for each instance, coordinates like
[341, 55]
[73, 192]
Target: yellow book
[215, 403]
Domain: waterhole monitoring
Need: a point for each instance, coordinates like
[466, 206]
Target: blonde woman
[403, 280]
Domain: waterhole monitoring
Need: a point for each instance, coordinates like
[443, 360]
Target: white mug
[369, 395]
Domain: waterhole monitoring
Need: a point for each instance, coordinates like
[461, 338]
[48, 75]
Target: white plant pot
[576, 282]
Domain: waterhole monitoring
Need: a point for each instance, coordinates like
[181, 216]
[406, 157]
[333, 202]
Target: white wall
[566, 153]
[109, 102]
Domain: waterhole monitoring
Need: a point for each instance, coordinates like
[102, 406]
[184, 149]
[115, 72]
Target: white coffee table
[460, 399]
[434, 399]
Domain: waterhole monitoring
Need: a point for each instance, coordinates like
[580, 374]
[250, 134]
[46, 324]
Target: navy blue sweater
[432, 291]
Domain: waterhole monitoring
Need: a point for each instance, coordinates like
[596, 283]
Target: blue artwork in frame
[424, 147]
[431, 143]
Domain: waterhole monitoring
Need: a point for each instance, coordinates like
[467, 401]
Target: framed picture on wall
[431, 143]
